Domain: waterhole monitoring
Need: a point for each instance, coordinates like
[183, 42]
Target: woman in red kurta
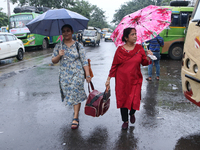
[128, 77]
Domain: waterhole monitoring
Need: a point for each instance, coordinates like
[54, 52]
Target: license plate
[87, 41]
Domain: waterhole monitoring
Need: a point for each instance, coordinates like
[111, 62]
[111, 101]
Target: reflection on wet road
[33, 116]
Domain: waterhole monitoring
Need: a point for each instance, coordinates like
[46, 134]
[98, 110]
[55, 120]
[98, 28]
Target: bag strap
[158, 41]
[76, 43]
[94, 99]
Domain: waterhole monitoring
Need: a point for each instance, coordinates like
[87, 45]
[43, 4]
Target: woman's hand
[107, 84]
[61, 52]
[88, 79]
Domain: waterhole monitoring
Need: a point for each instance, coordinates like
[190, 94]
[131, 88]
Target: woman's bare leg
[76, 113]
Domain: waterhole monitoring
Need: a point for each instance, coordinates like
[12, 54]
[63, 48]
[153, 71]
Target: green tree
[3, 18]
[82, 7]
[95, 15]
[130, 7]
[46, 3]
[92, 12]
[166, 2]
[97, 18]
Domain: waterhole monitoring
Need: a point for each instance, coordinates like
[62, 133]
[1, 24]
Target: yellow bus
[191, 58]
[105, 30]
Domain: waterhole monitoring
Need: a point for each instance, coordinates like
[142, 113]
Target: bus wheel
[176, 51]
[20, 54]
[44, 44]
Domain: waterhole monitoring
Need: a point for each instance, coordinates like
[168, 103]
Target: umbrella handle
[61, 45]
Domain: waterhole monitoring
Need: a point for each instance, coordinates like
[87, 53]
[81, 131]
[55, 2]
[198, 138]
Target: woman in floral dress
[73, 64]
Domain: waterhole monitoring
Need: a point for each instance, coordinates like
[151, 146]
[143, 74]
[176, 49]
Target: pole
[8, 7]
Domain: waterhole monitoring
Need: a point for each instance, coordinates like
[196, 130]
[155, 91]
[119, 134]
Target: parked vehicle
[107, 36]
[10, 46]
[174, 35]
[91, 36]
[190, 72]
[17, 26]
[4, 29]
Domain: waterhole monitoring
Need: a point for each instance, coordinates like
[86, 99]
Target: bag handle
[106, 94]
[90, 85]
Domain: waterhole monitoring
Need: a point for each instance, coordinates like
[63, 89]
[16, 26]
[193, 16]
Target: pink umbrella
[148, 22]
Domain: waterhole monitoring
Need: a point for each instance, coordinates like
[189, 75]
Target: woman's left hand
[88, 79]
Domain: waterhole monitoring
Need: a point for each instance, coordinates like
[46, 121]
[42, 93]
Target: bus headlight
[188, 63]
[188, 86]
[195, 68]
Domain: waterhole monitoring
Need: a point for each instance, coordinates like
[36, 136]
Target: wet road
[32, 116]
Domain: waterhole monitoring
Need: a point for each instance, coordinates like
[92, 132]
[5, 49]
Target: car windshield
[20, 21]
[89, 33]
[108, 34]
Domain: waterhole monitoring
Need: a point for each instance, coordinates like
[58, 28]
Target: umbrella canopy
[148, 22]
[51, 22]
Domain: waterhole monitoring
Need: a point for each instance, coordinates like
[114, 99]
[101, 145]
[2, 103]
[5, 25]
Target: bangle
[87, 76]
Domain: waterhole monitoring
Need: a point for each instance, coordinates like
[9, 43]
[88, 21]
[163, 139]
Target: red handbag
[97, 102]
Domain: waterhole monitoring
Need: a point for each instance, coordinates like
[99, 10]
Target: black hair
[68, 26]
[126, 32]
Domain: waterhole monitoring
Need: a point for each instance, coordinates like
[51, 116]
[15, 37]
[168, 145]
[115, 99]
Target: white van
[91, 36]
[190, 72]
[11, 46]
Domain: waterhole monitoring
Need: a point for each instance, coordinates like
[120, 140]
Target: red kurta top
[128, 77]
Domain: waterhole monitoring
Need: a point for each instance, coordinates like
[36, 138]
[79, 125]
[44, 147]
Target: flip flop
[77, 124]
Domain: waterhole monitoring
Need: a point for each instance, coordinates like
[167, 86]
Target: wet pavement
[32, 116]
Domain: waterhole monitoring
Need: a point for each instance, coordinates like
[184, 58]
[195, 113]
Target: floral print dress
[71, 73]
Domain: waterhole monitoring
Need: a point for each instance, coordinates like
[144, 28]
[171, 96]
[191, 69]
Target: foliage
[95, 15]
[130, 7]
[98, 18]
[3, 18]
[165, 2]
[82, 7]
[46, 3]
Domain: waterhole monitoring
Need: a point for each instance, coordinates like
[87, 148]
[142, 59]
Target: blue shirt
[154, 45]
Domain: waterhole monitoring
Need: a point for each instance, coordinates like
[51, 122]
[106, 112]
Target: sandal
[148, 79]
[77, 124]
[157, 78]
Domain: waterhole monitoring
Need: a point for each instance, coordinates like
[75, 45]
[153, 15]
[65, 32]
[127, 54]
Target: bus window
[175, 21]
[184, 18]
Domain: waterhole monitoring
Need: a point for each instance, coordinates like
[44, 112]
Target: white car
[11, 46]
[107, 36]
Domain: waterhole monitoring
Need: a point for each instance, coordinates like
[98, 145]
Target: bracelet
[87, 76]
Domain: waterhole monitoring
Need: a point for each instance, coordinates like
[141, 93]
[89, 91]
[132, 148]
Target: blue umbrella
[50, 22]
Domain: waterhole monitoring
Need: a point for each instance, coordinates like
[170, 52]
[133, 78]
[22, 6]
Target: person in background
[74, 36]
[154, 46]
[73, 64]
[128, 77]
[79, 37]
